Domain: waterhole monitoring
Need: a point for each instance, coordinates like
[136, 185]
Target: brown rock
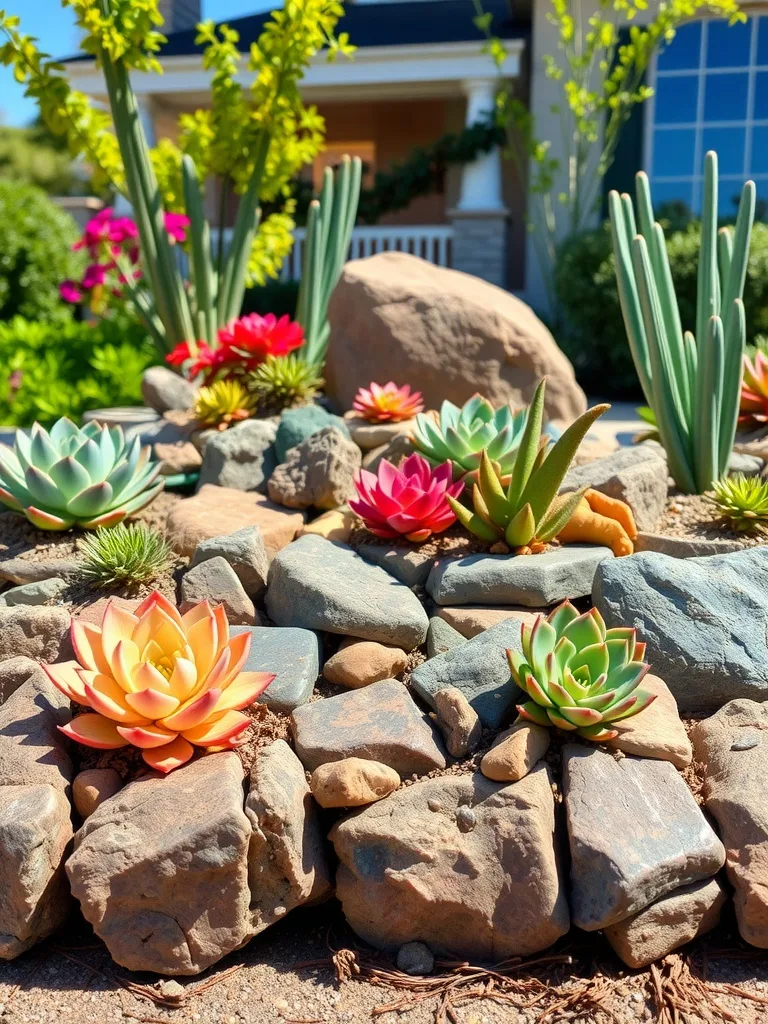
[461, 863]
[459, 722]
[318, 472]
[28, 570]
[180, 457]
[469, 621]
[446, 333]
[362, 662]
[669, 923]
[32, 750]
[657, 731]
[353, 782]
[515, 752]
[35, 631]
[334, 525]
[92, 787]
[14, 672]
[368, 436]
[217, 510]
[94, 613]
[732, 746]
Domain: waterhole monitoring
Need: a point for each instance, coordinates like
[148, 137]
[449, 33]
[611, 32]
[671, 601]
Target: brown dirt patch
[695, 517]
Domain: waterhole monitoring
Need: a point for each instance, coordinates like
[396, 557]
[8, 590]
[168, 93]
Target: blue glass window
[673, 192]
[677, 99]
[728, 45]
[728, 143]
[725, 96]
[685, 51]
[762, 40]
[761, 94]
[673, 152]
[759, 161]
[730, 194]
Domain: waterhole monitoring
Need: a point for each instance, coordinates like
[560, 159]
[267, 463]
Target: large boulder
[396, 317]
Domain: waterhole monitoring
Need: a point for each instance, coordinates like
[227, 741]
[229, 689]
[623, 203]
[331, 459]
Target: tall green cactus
[691, 383]
[329, 229]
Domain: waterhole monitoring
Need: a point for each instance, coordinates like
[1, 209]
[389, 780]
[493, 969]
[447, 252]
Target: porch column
[480, 218]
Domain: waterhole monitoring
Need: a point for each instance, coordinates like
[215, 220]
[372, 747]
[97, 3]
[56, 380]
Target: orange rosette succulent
[160, 681]
[387, 403]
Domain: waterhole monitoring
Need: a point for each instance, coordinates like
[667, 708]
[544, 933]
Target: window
[711, 92]
[334, 151]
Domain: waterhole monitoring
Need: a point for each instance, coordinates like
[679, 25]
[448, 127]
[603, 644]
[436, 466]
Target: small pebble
[748, 741]
[434, 805]
[465, 818]
[415, 958]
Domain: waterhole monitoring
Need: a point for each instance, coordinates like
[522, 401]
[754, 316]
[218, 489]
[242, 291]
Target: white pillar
[481, 180]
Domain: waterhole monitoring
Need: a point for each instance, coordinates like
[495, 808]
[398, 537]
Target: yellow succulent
[223, 403]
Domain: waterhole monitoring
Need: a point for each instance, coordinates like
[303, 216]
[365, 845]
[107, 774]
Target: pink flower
[253, 338]
[409, 501]
[70, 292]
[387, 403]
[94, 276]
[176, 225]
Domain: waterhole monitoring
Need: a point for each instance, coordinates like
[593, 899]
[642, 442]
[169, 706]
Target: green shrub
[592, 331]
[36, 255]
[52, 370]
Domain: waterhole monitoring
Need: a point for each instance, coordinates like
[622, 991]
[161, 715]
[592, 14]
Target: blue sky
[54, 27]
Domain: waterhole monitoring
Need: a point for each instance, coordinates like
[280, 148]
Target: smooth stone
[478, 668]
[749, 465]
[334, 525]
[322, 585]
[684, 547]
[177, 457]
[469, 621]
[215, 511]
[245, 552]
[216, 581]
[353, 782]
[25, 570]
[529, 580]
[635, 832]
[705, 621]
[671, 922]
[296, 425]
[318, 472]
[162, 389]
[732, 747]
[637, 476]
[37, 632]
[515, 752]
[410, 868]
[458, 722]
[658, 731]
[399, 448]
[409, 565]
[416, 959]
[242, 457]
[441, 637]
[368, 435]
[92, 787]
[380, 722]
[294, 654]
[40, 593]
[362, 662]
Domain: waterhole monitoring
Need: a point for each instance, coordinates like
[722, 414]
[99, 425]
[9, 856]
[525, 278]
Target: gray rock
[25, 570]
[42, 592]
[245, 551]
[442, 637]
[296, 425]
[318, 472]
[635, 475]
[749, 465]
[318, 584]
[242, 457]
[215, 580]
[529, 580]
[294, 654]
[399, 448]
[636, 833]
[379, 722]
[409, 565]
[479, 669]
[162, 389]
[415, 958]
[40, 633]
[287, 862]
[705, 621]
[684, 547]
[410, 868]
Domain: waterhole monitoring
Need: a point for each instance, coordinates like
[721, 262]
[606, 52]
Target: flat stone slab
[732, 746]
[635, 832]
[463, 864]
[409, 565]
[478, 668]
[380, 722]
[529, 580]
[294, 654]
[470, 620]
[317, 584]
[658, 731]
[705, 621]
[684, 547]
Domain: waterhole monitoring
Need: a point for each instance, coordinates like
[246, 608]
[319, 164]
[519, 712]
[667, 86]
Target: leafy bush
[52, 370]
[592, 334]
[36, 239]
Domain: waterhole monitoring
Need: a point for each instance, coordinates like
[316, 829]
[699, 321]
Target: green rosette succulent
[462, 435]
[74, 476]
[580, 676]
[742, 501]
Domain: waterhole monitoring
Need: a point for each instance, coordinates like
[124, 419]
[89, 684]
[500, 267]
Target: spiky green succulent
[580, 676]
[527, 508]
[462, 435]
[127, 554]
[282, 382]
[74, 476]
[743, 501]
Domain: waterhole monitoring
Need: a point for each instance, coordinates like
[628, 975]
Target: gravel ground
[695, 517]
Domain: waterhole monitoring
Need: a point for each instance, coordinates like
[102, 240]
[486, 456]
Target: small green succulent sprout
[462, 435]
[282, 382]
[72, 476]
[124, 554]
[743, 502]
[580, 676]
[524, 509]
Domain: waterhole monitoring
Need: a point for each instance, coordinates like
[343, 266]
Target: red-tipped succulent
[409, 501]
[387, 403]
[753, 408]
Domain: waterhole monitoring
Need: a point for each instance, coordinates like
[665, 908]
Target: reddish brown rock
[362, 662]
[94, 613]
[458, 721]
[217, 510]
[657, 731]
[35, 631]
[352, 782]
[469, 620]
[334, 525]
[92, 787]
[515, 752]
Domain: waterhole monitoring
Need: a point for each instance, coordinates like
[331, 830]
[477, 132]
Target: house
[420, 72]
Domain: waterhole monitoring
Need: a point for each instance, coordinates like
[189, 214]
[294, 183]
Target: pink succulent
[409, 501]
[387, 403]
